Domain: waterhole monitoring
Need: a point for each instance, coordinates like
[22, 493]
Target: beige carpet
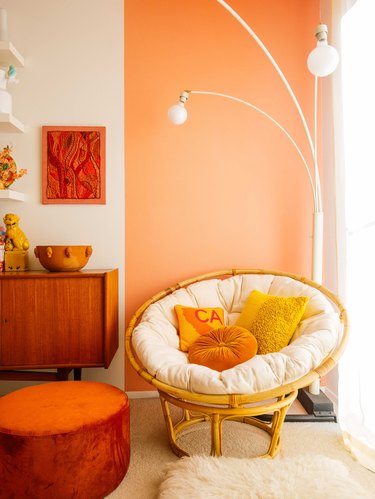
[151, 455]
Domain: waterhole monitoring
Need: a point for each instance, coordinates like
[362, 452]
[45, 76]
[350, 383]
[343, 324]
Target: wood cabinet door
[51, 322]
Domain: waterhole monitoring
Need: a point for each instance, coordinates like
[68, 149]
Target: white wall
[73, 75]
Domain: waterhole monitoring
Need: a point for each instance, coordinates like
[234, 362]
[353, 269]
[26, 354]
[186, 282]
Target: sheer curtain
[354, 113]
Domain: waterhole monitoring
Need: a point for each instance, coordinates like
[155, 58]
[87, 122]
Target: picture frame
[73, 165]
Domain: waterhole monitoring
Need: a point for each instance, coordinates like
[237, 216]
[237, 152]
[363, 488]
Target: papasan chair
[265, 382]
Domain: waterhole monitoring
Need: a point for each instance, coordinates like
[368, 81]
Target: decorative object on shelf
[8, 76]
[16, 244]
[63, 258]
[322, 61]
[5, 97]
[8, 168]
[11, 74]
[73, 164]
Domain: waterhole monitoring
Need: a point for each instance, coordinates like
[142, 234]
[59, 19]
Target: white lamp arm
[273, 120]
[321, 62]
[277, 68]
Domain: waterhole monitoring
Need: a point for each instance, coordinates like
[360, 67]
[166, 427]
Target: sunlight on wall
[358, 75]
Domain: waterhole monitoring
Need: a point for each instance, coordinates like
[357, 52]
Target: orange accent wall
[227, 189]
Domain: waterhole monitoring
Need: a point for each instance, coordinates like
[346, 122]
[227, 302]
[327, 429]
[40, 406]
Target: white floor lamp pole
[322, 61]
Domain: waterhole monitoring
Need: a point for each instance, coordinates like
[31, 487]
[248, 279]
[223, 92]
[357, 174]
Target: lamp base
[319, 409]
[320, 406]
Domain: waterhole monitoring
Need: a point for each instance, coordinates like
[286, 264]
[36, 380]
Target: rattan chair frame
[199, 407]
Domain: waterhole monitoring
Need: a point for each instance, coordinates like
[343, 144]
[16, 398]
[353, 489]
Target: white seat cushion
[156, 341]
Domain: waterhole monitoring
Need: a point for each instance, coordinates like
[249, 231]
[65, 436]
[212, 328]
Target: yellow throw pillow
[272, 319]
[192, 322]
[223, 348]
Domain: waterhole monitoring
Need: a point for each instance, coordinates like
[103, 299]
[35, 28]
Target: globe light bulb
[323, 60]
[177, 114]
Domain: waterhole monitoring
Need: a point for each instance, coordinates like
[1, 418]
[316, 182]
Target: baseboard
[143, 395]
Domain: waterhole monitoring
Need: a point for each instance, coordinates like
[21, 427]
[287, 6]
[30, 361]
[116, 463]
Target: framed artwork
[73, 165]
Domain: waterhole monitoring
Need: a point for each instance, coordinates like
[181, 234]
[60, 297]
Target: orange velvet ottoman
[62, 440]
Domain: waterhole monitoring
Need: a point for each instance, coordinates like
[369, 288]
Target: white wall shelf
[10, 124]
[10, 194]
[10, 55]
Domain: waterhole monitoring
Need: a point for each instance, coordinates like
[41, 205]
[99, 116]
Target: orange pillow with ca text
[193, 322]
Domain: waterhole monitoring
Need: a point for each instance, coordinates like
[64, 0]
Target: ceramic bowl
[63, 258]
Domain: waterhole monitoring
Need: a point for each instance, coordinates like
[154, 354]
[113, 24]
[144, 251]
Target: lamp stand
[318, 406]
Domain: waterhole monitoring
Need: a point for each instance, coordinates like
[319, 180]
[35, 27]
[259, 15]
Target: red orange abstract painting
[73, 164]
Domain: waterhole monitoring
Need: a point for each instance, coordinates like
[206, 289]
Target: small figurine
[12, 72]
[10, 75]
[15, 239]
[16, 244]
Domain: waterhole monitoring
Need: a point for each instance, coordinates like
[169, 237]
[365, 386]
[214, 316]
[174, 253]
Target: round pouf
[62, 440]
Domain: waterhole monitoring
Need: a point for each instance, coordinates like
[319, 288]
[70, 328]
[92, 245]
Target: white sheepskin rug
[302, 477]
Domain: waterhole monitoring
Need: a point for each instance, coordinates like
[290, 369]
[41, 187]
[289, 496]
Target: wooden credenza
[57, 320]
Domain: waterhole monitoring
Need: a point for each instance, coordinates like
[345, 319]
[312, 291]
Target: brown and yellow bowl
[63, 258]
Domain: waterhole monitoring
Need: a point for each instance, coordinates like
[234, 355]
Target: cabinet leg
[77, 374]
[63, 374]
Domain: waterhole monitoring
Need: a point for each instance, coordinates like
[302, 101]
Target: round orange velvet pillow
[223, 348]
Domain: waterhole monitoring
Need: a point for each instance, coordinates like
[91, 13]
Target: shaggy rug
[302, 477]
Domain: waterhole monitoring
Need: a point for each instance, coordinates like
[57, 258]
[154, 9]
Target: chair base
[194, 413]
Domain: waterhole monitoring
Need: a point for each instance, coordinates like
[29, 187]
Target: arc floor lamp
[322, 61]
